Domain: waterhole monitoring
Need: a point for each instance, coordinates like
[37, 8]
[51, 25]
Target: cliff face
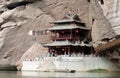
[18, 17]
[105, 28]
[113, 14]
[106, 22]
[101, 28]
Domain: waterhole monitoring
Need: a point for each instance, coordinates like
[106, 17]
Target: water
[13, 74]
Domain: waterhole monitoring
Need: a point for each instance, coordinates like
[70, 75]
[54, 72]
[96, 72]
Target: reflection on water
[4, 74]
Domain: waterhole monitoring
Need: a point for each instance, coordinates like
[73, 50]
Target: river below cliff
[13, 74]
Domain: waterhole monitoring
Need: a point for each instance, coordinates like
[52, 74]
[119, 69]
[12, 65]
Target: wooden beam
[107, 46]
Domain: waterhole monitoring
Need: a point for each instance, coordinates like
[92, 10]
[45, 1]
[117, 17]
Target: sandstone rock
[32, 53]
[101, 30]
[15, 25]
[24, 0]
[112, 12]
[8, 24]
[19, 20]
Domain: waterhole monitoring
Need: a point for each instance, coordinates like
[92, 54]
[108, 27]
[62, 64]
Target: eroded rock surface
[19, 17]
[16, 22]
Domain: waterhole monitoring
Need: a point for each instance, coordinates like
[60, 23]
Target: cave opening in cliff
[102, 2]
[17, 4]
[93, 20]
[88, 0]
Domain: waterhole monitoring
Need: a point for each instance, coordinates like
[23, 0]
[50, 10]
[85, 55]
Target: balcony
[64, 37]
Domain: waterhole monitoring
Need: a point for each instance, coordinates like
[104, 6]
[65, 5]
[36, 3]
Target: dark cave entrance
[17, 4]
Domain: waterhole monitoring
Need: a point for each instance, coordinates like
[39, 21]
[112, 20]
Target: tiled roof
[67, 43]
[66, 20]
[59, 43]
[67, 27]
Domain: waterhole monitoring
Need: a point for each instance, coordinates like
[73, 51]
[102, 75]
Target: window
[93, 21]
[88, 0]
[102, 2]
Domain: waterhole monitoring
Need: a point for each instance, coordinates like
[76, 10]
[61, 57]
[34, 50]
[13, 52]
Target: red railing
[63, 37]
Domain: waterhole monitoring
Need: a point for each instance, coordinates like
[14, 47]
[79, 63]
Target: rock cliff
[18, 17]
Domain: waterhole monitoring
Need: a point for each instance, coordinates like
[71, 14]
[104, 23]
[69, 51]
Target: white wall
[71, 63]
[85, 63]
[30, 65]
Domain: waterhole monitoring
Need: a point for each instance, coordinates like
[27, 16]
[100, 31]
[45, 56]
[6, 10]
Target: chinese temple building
[69, 36]
[70, 49]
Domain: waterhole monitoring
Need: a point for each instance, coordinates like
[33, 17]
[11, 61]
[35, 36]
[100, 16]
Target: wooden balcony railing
[63, 37]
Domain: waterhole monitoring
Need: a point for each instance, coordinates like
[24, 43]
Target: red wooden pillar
[70, 34]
